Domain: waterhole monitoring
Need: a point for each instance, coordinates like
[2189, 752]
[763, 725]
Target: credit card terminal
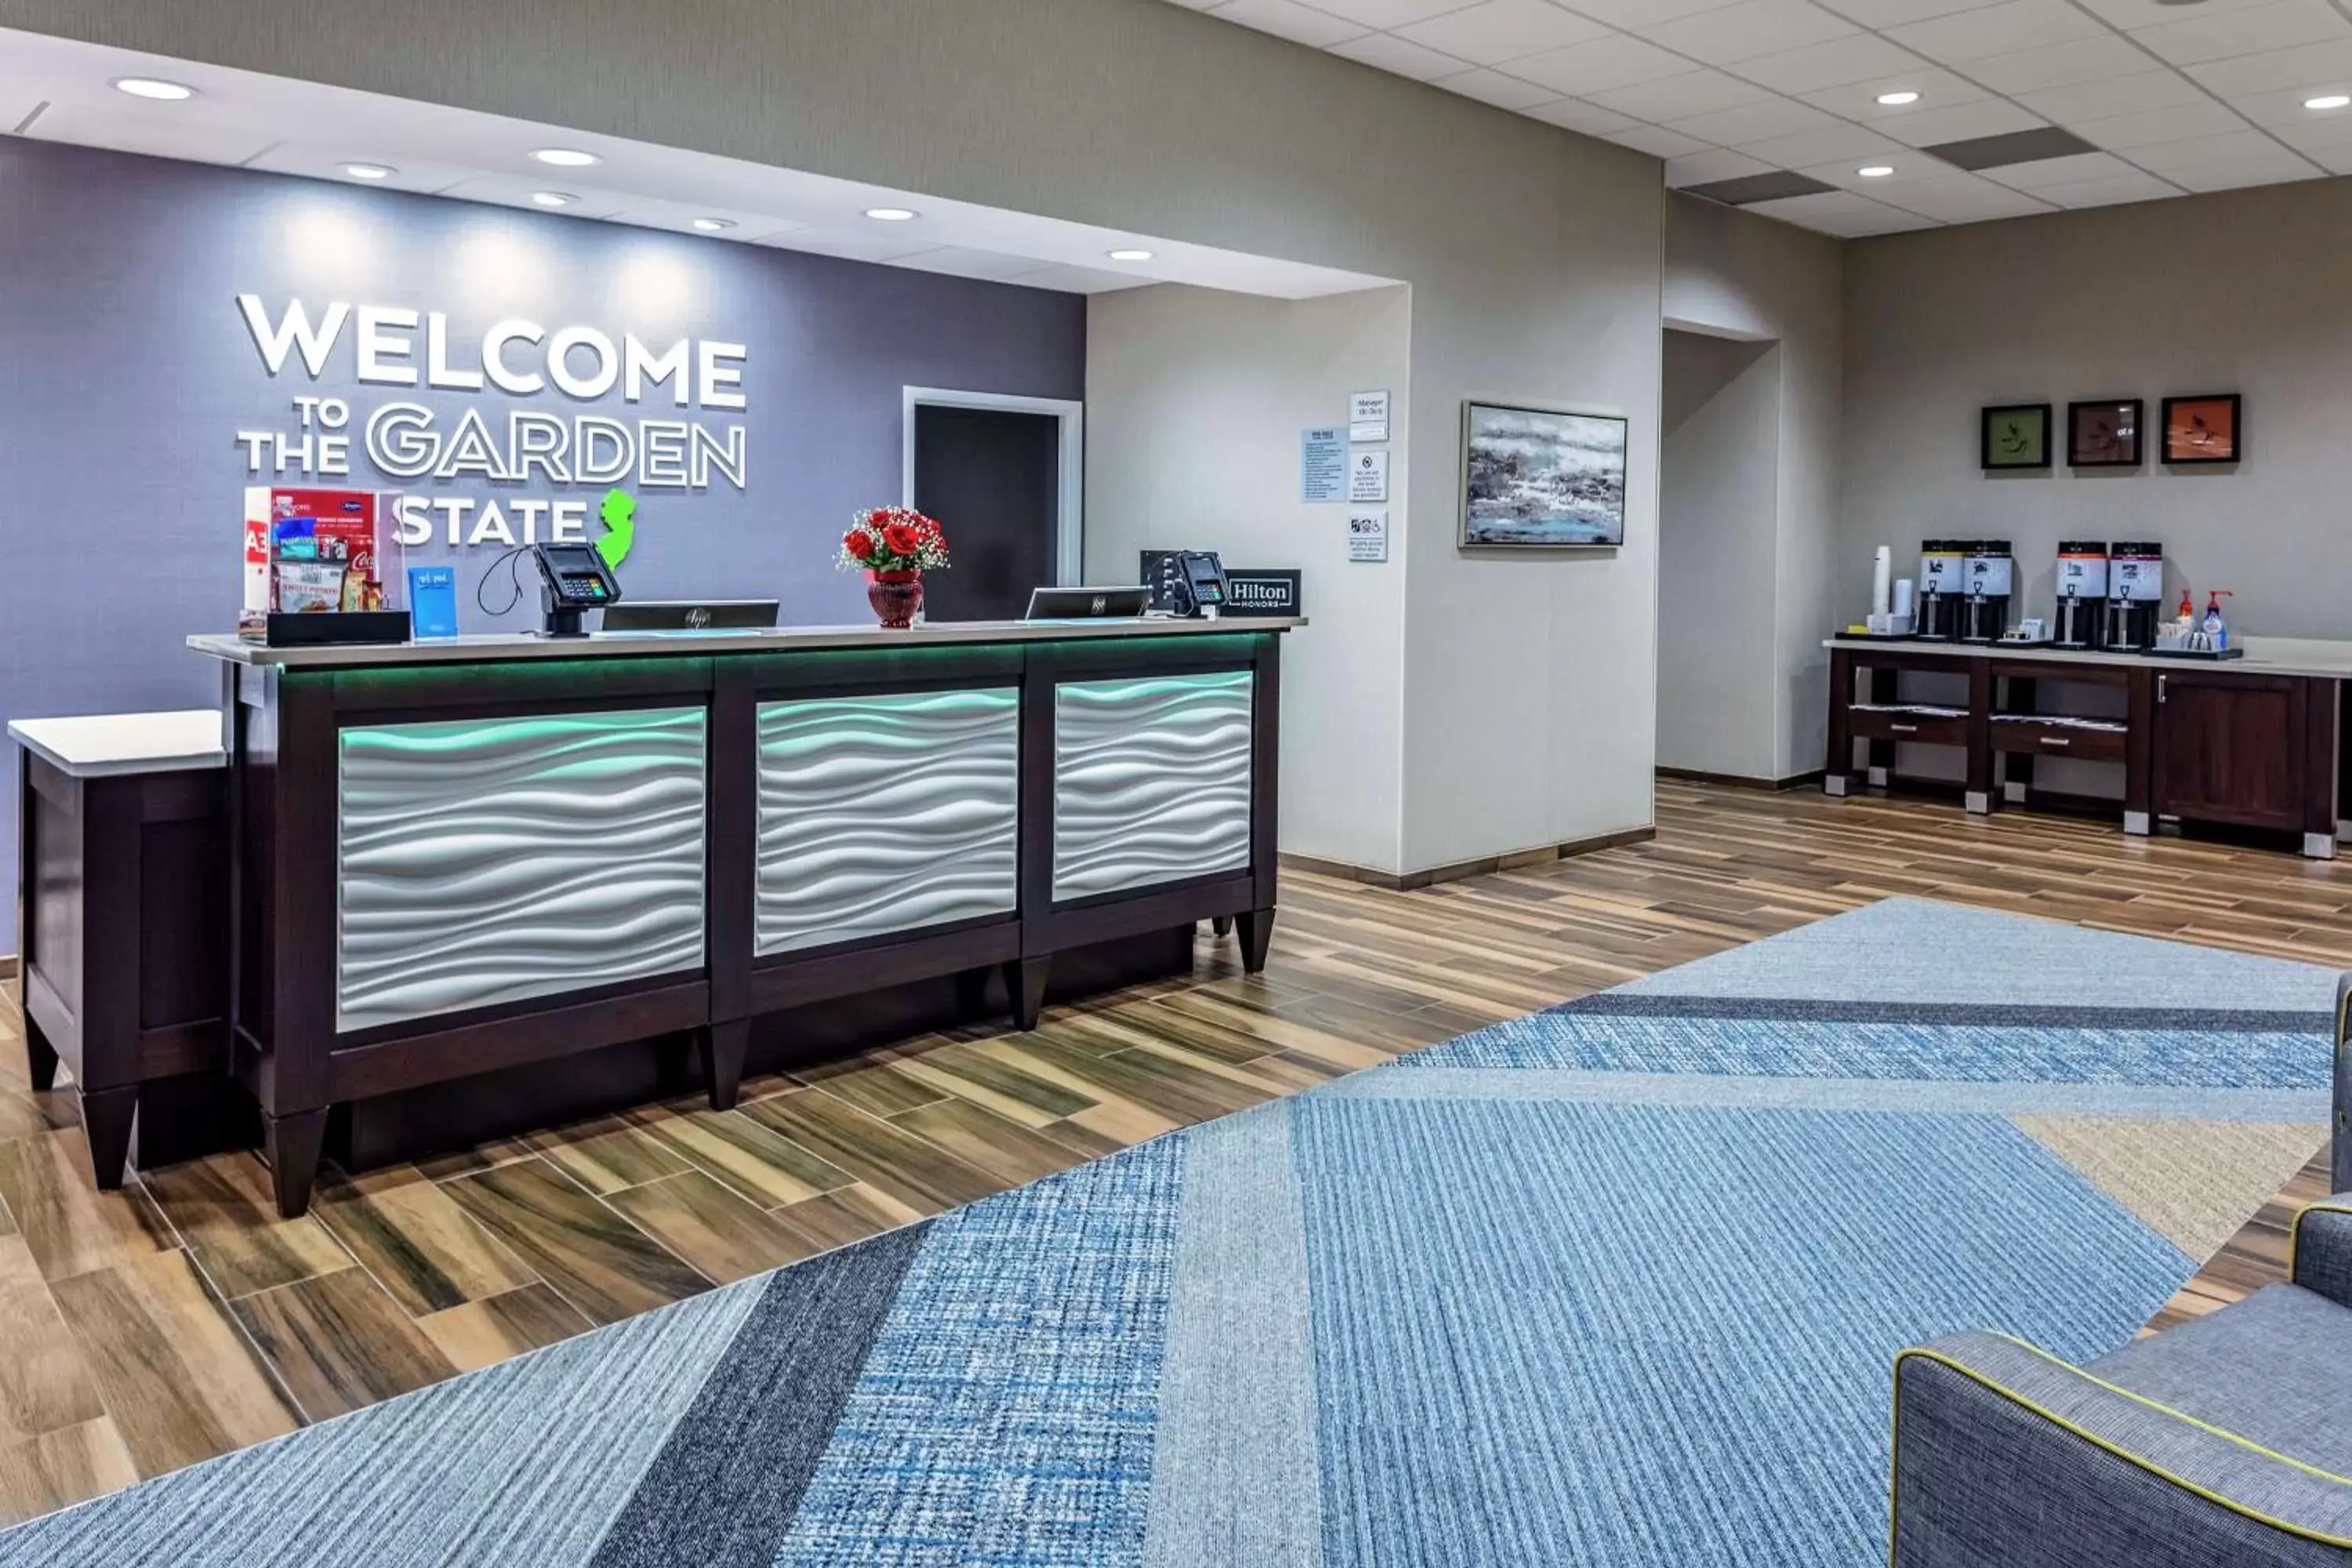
[572, 578]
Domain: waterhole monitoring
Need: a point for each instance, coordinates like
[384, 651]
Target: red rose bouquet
[893, 538]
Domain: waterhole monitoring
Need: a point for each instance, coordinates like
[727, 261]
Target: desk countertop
[105, 745]
[488, 649]
[2325, 660]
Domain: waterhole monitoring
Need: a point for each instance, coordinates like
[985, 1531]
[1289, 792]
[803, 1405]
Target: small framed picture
[2105, 435]
[2016, 436]
[2208, 429]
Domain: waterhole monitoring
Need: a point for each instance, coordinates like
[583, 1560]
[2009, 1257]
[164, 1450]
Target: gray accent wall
[2238, 292]
[129, 369]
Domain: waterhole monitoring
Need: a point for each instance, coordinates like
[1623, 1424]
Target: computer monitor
[1088, 604]
[691, 615]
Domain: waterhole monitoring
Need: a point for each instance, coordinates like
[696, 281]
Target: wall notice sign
[1323, 464]
[1367, 477]
[1368, 416]
[1368, 536]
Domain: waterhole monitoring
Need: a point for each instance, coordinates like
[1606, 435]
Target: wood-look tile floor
[180, 1318]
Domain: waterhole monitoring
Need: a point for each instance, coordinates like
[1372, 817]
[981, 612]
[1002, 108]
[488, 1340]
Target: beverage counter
[453, 863]
[2249, 742]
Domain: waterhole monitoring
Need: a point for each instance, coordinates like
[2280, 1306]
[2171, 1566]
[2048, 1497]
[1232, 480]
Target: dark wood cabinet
[2230, 747]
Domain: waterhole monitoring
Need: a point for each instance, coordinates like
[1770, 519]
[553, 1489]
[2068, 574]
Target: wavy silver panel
[882, 814]
[1151, 780]
[489, 860]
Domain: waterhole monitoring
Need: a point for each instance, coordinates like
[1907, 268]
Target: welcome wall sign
[405, 444]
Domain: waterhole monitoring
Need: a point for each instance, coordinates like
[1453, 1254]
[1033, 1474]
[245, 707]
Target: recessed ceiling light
[713, 225]
[1131, 255]
[1875, 171]
[149, 87]
[891, 214]
[1898, 100]
[552, 198]
[2330, 100]
[567, 157]
[370, 171]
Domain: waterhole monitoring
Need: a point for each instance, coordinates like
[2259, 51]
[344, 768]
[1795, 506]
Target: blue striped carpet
[1618, 1284]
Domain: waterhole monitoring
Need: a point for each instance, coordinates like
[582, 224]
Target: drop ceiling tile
[1499, 30]
[2291, 24]
[2117, 95]
[1841, 213]
[2112, 191]
[1964, 198]
[1858, 57]
[1776, 184]
[1659, 142]
[1680, 95]
[1390, 12]
[2180, 123]
[1581, 70]
[1289, 19]
[1756, 123]
[1718, 164]
[1960, 122]
[2059, 171]
[1841, 145]
[2218, 163]
[2285, 115]
[1995, 30]
[1632, 14]
[2336, 159]
[20, 102]
[1384, 51]
[1745, 31]
[1936, 87]
[160, 131]
[2158, 12]
[1494, 88]
[677, 217]
[1895, 13]
[1910, 168]
[2324, 132]
[1575, 114]
[2062, 64]
[2315, 66]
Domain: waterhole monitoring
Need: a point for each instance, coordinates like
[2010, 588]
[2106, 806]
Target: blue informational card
[432, 602]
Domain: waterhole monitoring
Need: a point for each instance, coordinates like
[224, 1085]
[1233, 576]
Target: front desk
[457, 859]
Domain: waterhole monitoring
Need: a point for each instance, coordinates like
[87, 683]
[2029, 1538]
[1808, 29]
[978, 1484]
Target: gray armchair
[2226, 1441]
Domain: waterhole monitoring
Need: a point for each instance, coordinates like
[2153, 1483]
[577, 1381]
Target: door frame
[1069, 526]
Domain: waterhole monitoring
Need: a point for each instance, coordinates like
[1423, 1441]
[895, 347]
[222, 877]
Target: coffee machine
[1984, 614]
[1942, 564]
[2135, 596]
[2082, 593]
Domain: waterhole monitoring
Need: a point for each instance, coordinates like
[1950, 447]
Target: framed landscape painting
[1542, 478]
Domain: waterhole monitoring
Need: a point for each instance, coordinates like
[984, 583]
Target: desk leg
[1257, 932]
[292, 1143]
[107, 1115]
[1979, 785]
[722, 1047]
[40, 1057]
[1837, 777]
[1221, 925]
[2319, 701]
[1024, 982]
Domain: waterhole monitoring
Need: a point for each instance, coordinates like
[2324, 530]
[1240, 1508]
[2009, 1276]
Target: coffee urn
[2135, 596]
[1942, 566]
[2082, 593]
[1984, 614]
